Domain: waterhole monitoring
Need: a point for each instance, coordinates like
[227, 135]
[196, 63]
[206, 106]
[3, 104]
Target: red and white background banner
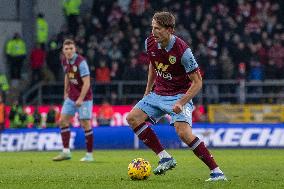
[119, 116]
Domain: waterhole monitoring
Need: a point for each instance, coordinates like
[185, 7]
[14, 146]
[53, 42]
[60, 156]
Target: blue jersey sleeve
[84, 69]
[146, 45]
[188, 61]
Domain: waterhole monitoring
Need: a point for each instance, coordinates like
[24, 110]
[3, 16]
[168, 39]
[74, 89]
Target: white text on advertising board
[241, 137]
[32, 141]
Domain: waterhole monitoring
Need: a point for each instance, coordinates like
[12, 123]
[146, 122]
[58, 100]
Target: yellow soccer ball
[139, 169]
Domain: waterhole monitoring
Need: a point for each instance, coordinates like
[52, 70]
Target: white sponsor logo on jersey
[164, 75]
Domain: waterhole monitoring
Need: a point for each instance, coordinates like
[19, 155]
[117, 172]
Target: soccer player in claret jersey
[173, 80]
[78, 97]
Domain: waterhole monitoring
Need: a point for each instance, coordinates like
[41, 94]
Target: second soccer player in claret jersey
[78, 97]
[173, 81]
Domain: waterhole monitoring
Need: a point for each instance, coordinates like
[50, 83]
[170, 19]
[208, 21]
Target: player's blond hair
[165, 19]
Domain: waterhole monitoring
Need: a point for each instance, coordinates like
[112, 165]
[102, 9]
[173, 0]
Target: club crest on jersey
[74, 68]
[172, 59]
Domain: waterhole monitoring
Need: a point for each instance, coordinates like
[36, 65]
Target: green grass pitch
[244, 169]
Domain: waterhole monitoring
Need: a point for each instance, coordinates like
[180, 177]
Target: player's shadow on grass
[83, 163]
[152, 180]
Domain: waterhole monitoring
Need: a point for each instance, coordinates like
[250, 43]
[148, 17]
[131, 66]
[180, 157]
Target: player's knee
[185, 137]
[179, 128]
[63, 123]
[184, 133]
[131, 120]
[87, 128]
[86, 124]
[178, 131]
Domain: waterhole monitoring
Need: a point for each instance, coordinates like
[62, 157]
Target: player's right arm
[66, 86]
[151, 75]
[151, 79]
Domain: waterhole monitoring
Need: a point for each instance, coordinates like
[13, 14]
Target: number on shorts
[186, 111]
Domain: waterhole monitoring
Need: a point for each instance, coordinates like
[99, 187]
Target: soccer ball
[139, 169]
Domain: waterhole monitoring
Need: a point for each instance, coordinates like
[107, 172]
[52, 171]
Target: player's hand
[79, 102]
[145, 94]
[65, 96]
[177, 108]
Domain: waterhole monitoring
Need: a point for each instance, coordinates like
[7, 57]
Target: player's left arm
[196, 85]
[191, 68]
[85, 75]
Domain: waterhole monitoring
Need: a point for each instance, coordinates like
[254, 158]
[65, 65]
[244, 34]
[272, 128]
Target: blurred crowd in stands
[19, 118]
[230, 39]
[237, 40]
[241, 39]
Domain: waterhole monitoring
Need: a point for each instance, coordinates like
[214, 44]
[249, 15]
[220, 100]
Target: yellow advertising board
[248, 113]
